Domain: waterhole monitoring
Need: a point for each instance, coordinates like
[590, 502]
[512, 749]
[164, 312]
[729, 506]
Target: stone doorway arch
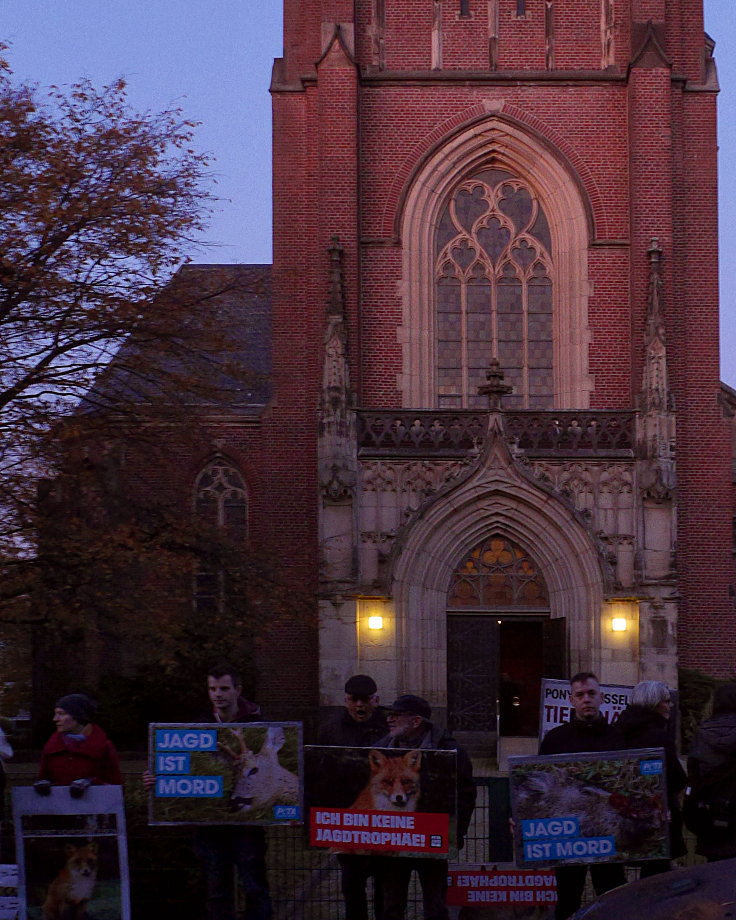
[497, 496]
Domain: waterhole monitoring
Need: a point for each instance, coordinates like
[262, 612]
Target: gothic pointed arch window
[496, 227]
[221, 507]
[493, 287]
[497, 575]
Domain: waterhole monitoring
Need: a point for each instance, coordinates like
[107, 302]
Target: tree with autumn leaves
[100, 352]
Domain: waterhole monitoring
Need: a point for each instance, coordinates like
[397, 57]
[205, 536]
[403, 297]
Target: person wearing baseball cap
[360, 724]
[410, 726]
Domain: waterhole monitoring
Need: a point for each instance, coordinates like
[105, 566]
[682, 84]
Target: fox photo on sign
[72, 854]
[381, 800]
[585, 808]
[226, 773]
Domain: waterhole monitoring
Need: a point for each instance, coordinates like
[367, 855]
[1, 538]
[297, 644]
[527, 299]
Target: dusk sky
[213, 59]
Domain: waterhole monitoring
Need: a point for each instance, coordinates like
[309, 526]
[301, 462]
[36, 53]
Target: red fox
[72, 888]
[394, 783]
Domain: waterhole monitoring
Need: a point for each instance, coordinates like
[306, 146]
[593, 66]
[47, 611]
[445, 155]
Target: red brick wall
[644, 148]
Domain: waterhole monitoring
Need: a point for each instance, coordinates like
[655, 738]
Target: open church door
[554, 648]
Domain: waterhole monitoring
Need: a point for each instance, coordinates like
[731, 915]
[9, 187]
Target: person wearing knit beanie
[78, 750]
[79, 706]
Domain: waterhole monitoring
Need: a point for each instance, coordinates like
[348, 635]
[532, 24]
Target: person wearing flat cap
[79, 749]
[360, 724]
[410, 726]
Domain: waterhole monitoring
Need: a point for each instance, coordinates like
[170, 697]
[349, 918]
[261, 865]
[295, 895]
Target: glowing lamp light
[375, 622]
[619, 624]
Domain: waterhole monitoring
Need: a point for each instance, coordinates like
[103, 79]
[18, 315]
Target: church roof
[209, 345]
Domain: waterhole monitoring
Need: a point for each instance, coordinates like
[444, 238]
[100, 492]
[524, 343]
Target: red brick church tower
[533, 183]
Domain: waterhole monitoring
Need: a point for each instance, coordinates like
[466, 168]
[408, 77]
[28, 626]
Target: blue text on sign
[651, 767]
[168, 739]
[173, 763]
[549, 828]
[588, 848]
[189, 787]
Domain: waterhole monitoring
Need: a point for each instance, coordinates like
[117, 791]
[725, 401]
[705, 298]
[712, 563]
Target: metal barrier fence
[305, 884]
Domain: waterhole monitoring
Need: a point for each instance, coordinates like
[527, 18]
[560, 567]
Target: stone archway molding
[497, 496]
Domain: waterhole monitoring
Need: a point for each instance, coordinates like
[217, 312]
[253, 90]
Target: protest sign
[381, 800]
[504, 894]
[555, 708]
[584, 808]
[226, 773]
[72, 853]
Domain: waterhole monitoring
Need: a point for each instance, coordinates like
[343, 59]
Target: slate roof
[218, 353]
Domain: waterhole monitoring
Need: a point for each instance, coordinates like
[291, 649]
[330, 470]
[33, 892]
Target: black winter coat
[579, 737]
[642, 727]
[714, 747]
[344, 731]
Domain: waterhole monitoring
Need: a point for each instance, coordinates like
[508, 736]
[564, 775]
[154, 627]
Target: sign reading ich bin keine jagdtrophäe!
[586, 808]
[226, 773]
[381, 800]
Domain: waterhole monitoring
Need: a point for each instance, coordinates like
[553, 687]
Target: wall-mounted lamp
[375, 622]
[619, 624]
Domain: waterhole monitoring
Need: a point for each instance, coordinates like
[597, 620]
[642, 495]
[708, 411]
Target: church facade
[497, 447]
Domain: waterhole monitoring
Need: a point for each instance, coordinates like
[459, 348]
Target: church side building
[496, 448]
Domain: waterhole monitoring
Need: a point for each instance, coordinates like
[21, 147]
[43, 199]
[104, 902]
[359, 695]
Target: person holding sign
[644, 724]
[360, 724]
[587, 731]
[79, 753]
[410, 727]
[220, 849]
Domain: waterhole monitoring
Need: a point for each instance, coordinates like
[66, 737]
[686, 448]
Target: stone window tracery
[497, 574]
[493, 288]
[220, 502]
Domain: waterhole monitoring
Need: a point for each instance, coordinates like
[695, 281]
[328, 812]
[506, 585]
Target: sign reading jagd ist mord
[226, 773]
[586, 808]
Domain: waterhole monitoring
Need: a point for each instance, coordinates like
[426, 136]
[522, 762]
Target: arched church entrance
[500, 640]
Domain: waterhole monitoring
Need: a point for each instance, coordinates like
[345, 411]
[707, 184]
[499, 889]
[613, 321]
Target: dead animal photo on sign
[583, 808]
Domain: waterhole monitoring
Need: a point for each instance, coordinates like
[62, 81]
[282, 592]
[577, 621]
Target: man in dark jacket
[360, 724]
[220, 849]
[410, 727]
[587, 731]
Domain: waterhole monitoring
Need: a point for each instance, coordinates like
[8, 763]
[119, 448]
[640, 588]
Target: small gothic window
[521, 7]
[465, 9]
[497, 574]
[220, 501]
[220, 497]
[493, 284]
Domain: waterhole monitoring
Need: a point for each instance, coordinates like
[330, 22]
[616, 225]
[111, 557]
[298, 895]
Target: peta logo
[286, 812]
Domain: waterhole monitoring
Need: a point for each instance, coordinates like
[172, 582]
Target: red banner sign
[476, 887]
[350, 829]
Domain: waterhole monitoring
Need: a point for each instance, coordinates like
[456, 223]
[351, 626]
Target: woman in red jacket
[78, 749]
